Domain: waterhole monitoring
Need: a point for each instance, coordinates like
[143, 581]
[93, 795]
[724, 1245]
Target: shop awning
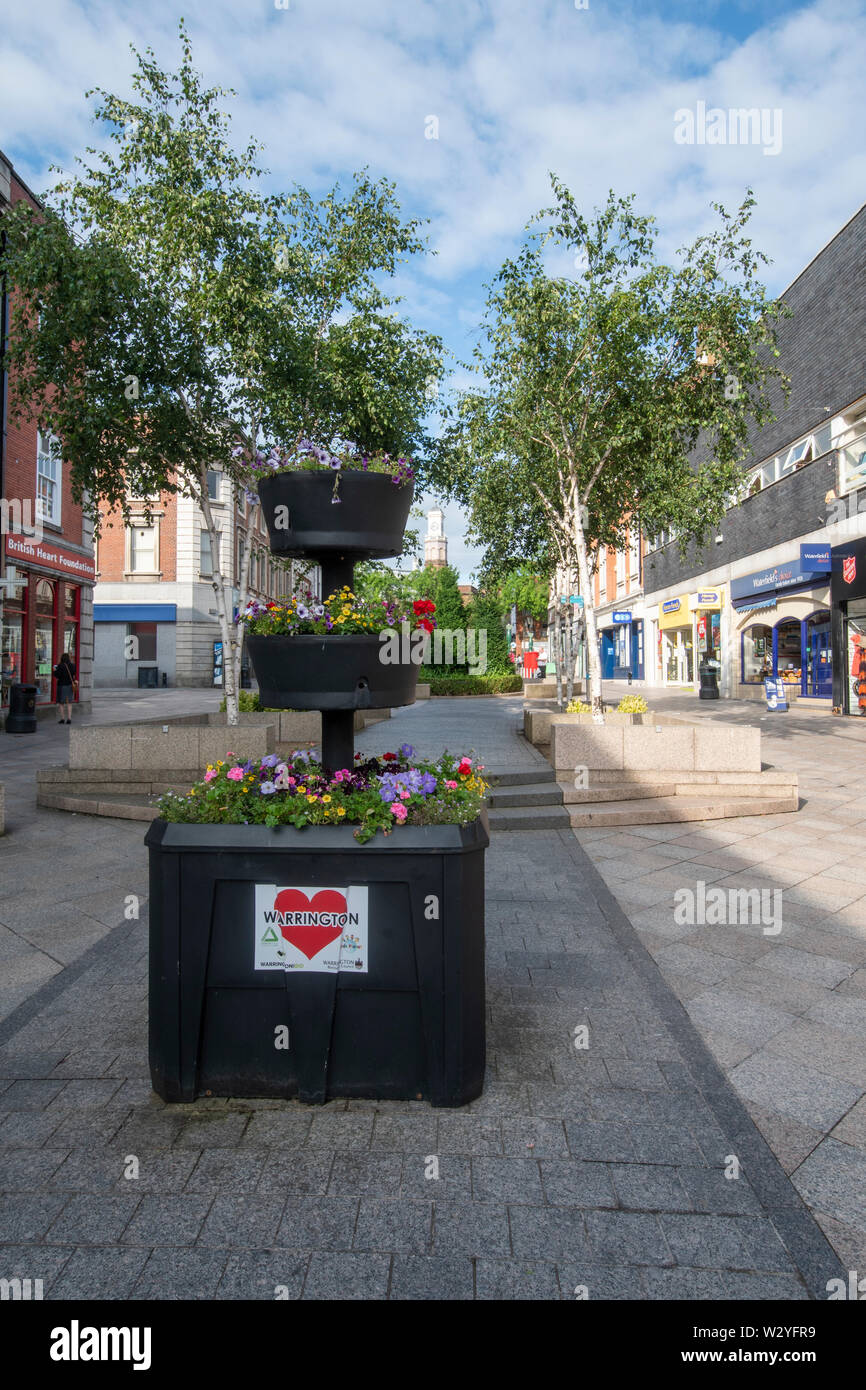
[755, 607]
[135, 612]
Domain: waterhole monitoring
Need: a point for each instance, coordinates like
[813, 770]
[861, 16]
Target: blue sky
[518, 88]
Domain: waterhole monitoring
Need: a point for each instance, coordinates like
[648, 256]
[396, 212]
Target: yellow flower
[326, 799]
[341, 810]
[302, 791]
[311, 800]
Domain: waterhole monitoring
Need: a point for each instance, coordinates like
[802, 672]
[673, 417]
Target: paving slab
[601, 1168]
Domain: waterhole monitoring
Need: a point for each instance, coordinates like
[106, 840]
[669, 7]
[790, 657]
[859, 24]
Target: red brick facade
[52, 549]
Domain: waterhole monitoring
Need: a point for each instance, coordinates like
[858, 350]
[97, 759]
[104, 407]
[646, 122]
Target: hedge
[475, 685]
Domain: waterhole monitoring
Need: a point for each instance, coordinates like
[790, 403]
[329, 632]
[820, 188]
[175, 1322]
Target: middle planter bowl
[313, 672]
[303, 518]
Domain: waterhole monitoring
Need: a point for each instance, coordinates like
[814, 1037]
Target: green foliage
[471, 685]
[527, 590]
[249, 703]
[633, 704]
[485, 614]
[578, 707]
[299, 792]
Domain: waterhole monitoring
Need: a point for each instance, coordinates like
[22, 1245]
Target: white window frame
[204, 535]
[51, 455]
[131, 567]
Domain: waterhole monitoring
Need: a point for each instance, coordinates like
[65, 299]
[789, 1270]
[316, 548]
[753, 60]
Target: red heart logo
[310, 939]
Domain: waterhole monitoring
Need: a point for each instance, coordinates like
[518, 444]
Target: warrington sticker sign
[314, 929]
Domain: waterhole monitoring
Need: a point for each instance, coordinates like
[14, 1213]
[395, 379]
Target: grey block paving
[597, 1170]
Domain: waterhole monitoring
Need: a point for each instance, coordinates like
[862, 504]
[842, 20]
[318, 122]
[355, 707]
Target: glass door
[44, 658]
[819, 667]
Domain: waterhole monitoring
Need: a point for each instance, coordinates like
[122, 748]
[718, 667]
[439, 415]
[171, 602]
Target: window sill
[145, 576]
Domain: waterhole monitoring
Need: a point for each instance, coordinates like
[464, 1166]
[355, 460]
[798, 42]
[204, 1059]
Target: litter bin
[148, 677]
[709, 683]
[21, 718]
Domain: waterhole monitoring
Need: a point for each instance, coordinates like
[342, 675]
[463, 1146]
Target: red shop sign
[52, 557]
[849, 568]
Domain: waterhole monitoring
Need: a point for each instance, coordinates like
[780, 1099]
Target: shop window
[789, 664]
[49, 478]
[12, 625]
[142, 549]
[141, 640]
[757, 653]
[45, 658]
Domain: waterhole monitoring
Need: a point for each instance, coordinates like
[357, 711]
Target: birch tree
[616, 386]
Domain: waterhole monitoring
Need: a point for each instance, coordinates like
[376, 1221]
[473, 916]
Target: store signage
[786, 576]
[624, 617]
[777, 698]
[708, 598]
[317, 930]
[672, 605]
[815, 558]
[578, 599]
[849, 568]
[51, 557]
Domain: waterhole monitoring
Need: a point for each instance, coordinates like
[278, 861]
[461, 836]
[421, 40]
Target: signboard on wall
[777, 698]
[815, 558]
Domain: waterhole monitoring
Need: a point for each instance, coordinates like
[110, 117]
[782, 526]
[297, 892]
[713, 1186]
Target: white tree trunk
[227, 627]
[593, 660]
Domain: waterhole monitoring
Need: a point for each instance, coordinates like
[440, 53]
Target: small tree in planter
[171, 316]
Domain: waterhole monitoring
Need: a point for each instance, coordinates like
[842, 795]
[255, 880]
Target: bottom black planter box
[299, 963]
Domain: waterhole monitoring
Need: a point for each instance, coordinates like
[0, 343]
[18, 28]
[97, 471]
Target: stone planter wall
[688, 748]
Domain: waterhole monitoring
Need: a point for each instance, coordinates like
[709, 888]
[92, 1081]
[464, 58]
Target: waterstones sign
[320, 930]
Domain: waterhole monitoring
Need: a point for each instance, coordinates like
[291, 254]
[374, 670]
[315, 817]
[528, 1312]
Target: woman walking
[64, 674]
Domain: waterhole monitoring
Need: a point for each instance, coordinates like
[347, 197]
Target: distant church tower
[435, 542]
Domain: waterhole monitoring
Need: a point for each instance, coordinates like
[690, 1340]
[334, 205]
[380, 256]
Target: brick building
[619, 609]
[154, 603]
[757, 600]
[46, 565]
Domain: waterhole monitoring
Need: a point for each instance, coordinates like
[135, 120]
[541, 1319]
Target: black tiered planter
[329, 673]
[410, 1025]
[410, 1028]
[367, 523]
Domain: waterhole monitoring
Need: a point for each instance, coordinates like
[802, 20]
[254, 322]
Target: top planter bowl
[303, 519]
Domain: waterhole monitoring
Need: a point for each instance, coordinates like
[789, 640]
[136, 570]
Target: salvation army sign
[315, 929]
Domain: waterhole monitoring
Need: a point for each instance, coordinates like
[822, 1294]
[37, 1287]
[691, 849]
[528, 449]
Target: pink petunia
[452, 786]
[209, 776]
[235, 774]
[399, 811]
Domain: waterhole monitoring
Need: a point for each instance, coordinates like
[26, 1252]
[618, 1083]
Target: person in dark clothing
[64, 674]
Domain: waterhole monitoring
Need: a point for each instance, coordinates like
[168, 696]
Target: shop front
[621, 647]
[782, 617]
[848, 628]
[41, 616]
[676, 642]
[706, 606]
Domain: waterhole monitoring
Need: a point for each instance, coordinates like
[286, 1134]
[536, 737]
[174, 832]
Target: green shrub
[475, 685]
[633, 704]
[578, 707]
[249, 703]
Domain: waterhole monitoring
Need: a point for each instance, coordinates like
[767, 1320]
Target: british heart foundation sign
[314, 929]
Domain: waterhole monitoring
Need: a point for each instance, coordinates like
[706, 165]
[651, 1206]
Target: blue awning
[135, 612]
[755, 607]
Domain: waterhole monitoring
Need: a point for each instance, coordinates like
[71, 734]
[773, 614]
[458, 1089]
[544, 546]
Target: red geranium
[465, 767]
[423, 607]
[390, 757]
[426, 624]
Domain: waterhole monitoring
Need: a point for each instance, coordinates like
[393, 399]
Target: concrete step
[616, 791]
[529, 818]
[122, 806]
[670, 810]
[527, 794]
[531, 777]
